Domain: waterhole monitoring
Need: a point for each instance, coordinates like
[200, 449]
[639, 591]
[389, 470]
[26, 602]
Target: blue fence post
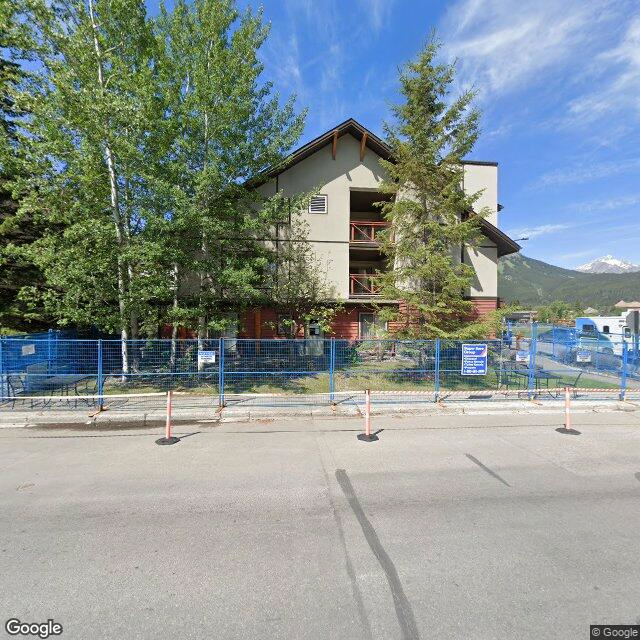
[436, 373]
[49, 334]
[100, 378]
[332, 368]
[533, 349]
[623, 370]
[221, 373]
[3, 381]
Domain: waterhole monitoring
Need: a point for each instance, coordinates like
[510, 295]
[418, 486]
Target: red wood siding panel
[346, 324]
[183, 333]
[268, 323]
[483, 306]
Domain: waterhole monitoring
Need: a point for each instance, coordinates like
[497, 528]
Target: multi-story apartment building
[343, 166]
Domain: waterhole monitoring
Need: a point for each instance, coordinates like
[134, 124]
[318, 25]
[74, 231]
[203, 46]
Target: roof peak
[358, 131]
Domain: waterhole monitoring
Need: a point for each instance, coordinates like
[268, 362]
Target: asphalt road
[484, 527]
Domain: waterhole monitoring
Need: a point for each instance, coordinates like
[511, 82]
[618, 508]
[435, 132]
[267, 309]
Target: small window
[588, 328]
[627, 332]
[285, 326]
[605, 329]
[318, 203]
[371, 327]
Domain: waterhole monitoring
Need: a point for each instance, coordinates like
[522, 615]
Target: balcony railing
[364, 284]
[366, 232]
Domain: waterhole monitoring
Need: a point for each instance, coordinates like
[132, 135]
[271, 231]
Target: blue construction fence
[535, 359]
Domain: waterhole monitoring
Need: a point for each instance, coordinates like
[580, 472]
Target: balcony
[363, 285]
[365, 233]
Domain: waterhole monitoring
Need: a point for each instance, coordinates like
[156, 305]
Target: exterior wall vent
[318, 204]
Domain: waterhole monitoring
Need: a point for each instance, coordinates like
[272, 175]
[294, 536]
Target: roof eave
[373, 142]
[506, 245]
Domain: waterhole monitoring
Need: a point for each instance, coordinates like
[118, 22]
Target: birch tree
[91, 104]
[227, 126]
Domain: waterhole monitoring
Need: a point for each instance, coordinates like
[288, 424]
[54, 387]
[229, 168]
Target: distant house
[522, 316]
[343, 164]
[627, 305]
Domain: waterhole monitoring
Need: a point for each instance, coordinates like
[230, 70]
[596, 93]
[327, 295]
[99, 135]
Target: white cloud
[588, 173]
[499, 131]
[503, 45]
[540, 230]
[576, 254]
[377, 12]
[287, 70]
[620, 68]
[609, 204]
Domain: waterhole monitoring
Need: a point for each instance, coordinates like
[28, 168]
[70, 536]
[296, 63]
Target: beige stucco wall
[484, 260]
[483, 178]
[329, 233]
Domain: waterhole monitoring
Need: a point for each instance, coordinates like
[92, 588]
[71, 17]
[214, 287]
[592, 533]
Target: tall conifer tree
[432, 218]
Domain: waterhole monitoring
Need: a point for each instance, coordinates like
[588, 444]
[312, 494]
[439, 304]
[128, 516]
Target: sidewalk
[151, 412]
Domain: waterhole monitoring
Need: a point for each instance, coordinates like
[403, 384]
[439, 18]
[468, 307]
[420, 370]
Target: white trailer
[606, 332]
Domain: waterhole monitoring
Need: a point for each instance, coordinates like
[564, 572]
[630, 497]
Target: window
[605, 329]
[318, 203]
[588, 328]
[313, 329]
[370, 326]
[285, 326]
[627, 332]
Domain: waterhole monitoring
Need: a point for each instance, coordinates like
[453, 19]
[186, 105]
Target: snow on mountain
[608, 264]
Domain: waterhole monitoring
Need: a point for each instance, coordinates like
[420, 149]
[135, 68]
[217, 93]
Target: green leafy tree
[299, 288]
[559, 311]
[135, 157]
[431, 216]
[227, 126]
[16, 270]
[83, 158]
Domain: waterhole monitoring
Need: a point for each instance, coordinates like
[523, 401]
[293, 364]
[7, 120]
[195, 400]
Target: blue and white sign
[583, 355]
[522, 356]
[474, 359]
[206, 357]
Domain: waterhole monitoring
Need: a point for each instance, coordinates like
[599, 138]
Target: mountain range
[533, 282]
[608, 264]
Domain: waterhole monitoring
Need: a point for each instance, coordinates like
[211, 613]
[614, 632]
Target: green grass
[378, 376]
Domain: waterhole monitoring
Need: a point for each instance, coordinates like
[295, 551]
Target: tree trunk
[115, 210]
[202, 334]
[174, 326]
[202, 318]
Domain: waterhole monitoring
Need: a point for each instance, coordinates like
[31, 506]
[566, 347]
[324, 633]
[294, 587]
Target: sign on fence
[206, 357]
[474, 359]
[28, 349]
[583, 355]
[522, 356]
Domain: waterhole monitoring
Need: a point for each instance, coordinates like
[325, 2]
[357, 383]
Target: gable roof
[504, 243]
[354, 128]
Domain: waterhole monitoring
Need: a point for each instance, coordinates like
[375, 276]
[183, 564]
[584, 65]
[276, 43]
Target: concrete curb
[156, 417]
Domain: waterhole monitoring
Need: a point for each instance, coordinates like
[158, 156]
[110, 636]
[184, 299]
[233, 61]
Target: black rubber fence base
[365, 438]
[568, 432]
[171, 440]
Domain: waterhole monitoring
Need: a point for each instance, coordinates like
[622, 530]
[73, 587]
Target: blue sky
[559, 84]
